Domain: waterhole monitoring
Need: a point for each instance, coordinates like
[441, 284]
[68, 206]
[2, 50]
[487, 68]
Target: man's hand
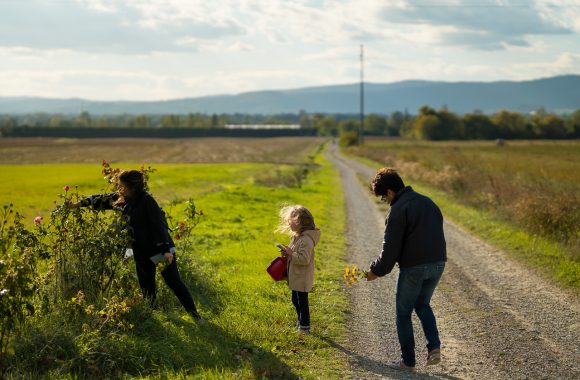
[168, 257]
[371, 276]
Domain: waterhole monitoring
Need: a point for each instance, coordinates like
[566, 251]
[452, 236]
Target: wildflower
[38, 220]
[352, 275]
[66, 187]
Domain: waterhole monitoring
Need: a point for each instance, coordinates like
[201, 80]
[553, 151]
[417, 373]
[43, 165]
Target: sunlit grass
[251, 330]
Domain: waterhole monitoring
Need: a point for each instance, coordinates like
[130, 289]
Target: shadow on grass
[381, 368]
[164, 342]
[165, 345]
[195, 346]
[210, 346]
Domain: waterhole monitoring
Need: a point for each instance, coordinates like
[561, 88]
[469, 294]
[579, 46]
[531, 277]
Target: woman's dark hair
[133, 180]
[386, 179]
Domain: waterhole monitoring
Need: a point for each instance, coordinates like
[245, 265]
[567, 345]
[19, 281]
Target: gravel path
[497, 320]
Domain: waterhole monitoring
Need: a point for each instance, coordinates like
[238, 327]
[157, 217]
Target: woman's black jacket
[145, 219]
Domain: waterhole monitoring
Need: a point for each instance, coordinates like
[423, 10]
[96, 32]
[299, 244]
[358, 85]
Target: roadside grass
[534, 185]
[545, 256]
[251, 321]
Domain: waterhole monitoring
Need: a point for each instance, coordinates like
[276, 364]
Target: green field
[496, 192]
[250, 333]
[523, 196]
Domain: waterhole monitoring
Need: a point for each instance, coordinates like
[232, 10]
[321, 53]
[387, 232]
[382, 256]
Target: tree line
[427, 124]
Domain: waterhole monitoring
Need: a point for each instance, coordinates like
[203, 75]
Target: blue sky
[167, 49]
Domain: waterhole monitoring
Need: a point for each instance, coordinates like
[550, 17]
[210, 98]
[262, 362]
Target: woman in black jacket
[149, 230]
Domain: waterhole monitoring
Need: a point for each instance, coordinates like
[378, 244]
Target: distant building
[262, 126]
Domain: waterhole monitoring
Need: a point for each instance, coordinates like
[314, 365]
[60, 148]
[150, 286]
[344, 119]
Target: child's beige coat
[301, 263]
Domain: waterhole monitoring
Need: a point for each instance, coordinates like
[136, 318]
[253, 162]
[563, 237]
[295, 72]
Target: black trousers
[146, 271]
[300, 301]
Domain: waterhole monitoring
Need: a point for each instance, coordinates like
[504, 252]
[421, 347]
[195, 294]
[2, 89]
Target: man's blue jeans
[414, 290]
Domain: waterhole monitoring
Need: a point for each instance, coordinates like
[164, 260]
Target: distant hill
[557, 94]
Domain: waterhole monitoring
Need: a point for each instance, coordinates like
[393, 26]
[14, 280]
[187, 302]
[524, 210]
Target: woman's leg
[173, 280]
[146, 276]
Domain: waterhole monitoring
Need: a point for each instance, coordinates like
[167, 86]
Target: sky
[171, 49]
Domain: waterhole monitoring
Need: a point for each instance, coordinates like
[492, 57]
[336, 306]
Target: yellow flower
[352, 275]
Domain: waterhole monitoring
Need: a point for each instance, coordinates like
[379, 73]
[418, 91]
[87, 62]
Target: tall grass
[535, 185]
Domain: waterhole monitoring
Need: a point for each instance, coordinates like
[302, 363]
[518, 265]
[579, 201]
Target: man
[414, 239]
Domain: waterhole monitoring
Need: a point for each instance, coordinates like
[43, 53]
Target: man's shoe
[400, 365]
[434, 356]
[304, 330]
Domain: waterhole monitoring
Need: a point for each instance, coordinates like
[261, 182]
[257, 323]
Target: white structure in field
[262, 126]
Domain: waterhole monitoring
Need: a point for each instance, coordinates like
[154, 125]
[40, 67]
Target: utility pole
[362, 99]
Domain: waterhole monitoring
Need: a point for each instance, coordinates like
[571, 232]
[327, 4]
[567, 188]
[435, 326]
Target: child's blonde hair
[298, 213]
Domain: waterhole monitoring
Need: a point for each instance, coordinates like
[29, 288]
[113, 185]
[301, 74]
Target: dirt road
[497, 320]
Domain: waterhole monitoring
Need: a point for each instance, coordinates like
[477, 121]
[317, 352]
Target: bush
[349, 138]
[84, 300]
[18, 277]
[558, 217]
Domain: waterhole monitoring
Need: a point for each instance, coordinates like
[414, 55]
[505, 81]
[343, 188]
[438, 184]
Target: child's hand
[286, 251]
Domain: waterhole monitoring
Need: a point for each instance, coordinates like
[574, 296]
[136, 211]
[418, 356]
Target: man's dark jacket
[413, 233]
[146, 221]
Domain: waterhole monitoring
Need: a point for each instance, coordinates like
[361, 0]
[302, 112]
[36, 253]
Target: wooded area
[428, 124]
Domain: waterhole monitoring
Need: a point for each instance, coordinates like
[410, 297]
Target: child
[299, 223]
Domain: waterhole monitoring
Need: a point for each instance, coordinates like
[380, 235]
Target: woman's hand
[168, 257]
[71, 205]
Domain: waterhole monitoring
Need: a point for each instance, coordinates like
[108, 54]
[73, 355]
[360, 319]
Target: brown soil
[191, 150]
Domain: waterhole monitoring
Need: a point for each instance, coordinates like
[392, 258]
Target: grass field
[250, 333]
[523, 196]
[35, 170]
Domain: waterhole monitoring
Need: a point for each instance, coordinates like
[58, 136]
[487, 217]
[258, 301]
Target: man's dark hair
[386, 179]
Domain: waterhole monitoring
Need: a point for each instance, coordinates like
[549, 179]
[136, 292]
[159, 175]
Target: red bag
[277, 269]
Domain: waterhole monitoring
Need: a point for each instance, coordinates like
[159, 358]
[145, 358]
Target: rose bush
[84, 276]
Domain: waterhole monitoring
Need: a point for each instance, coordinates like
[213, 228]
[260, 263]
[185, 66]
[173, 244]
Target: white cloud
[152, 49]
[565, 63]
[131, 27]
[486, 24]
